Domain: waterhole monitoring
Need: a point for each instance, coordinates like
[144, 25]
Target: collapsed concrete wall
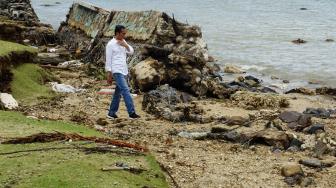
[19, 22]
[167, 51]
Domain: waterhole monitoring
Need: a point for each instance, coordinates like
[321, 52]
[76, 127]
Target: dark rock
[268, 137]
[285, 81]
[223, 128]
[303, 9]
[168, 103]
[293, 125]
[318, 112]
[255, 80]
[47, 5]
[301, 90]
[295, 143]
[314, 128]
[315, 163]
[329, 40]
[320, 148]
[299, 41]
[237, 120]
[326, 91]
[290, 116]
[307, 181]
[267, 90]
[293, 149]
[294, 180]
[304, 121]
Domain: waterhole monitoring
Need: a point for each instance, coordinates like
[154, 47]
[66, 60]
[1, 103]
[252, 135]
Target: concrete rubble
[167, 51]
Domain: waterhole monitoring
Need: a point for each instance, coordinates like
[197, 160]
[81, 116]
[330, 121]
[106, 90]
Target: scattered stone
[193, 135]
[320, 148]
[294, 180]
[302, 90]
[278, 139]
[101, 121]
[232, 69]
[316, 163]
[237, 120]
[318, 112]
[291, 169]
[223, 128]
[304, 121]
[314, 129]
[267, 90]
[8, 101]
[290, 116]
[293, 149]
[299, 41]
[285, 81]
[307, 181]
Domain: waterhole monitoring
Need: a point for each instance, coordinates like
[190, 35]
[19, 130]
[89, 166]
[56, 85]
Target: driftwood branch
[50, 137]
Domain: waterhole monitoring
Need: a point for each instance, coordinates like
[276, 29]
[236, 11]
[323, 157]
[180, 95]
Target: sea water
[253, 34]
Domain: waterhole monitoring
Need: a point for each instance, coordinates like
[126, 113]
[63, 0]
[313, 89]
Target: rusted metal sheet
[140, 25]
[87, 18]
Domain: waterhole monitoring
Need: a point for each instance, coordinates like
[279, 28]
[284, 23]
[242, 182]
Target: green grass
[68, 164]
[14, 124]
[28, 83]
[6, 48]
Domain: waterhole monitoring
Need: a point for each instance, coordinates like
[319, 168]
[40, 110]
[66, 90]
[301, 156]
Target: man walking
[116, 67]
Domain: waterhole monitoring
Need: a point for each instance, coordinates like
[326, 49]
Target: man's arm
[108, 64]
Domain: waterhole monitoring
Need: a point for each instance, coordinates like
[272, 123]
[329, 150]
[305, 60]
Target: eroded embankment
[12, 54]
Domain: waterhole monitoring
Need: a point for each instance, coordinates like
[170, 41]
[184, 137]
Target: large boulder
[148, 74]
[168, 103]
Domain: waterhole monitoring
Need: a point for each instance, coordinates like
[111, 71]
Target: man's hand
[124, 44]
[109, 78]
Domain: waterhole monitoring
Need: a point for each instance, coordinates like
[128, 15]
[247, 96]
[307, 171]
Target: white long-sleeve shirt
[116, 57]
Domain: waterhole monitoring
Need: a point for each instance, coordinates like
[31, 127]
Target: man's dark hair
[118, 29]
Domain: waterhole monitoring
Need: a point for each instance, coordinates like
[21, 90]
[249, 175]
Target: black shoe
[113, 116]
[134, 116]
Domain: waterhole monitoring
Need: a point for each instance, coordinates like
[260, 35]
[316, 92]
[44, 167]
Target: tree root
[57, 136]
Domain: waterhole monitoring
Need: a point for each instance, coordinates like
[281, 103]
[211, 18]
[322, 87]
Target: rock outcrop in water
[19, 23]
[167, 51]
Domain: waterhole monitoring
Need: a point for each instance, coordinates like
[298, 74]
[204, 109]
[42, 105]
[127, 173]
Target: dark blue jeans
[121, 89]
